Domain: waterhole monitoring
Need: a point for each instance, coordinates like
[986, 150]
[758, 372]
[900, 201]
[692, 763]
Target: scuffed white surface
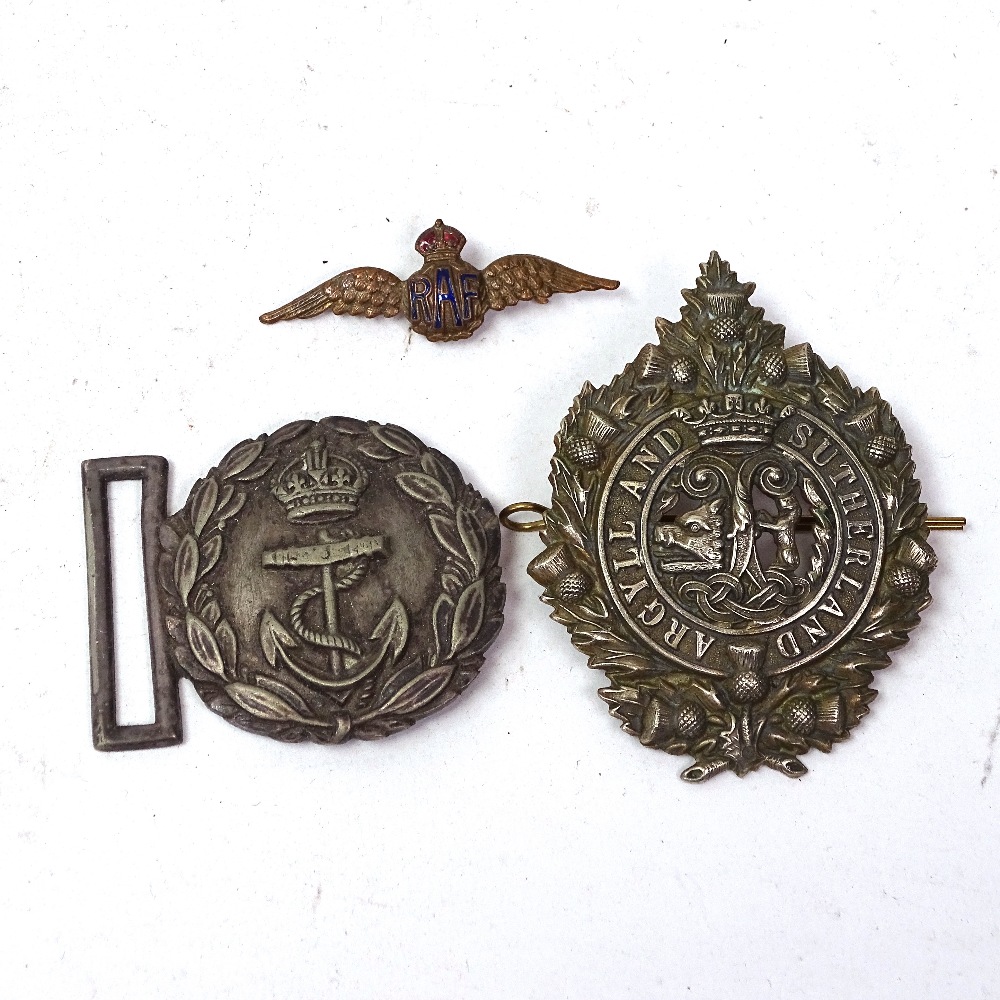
[169, 172]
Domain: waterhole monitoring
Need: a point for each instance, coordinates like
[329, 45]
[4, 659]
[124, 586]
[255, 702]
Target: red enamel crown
[439, 239]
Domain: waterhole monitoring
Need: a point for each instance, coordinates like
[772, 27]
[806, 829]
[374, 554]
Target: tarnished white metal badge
[735, 537]
[333, 579]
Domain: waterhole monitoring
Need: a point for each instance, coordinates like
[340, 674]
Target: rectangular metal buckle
[166, 728]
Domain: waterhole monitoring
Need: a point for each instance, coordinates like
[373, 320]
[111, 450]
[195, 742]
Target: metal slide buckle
[333, 579]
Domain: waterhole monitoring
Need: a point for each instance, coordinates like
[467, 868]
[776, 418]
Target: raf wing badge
[448, 298]
[735, 537]
[333, 579]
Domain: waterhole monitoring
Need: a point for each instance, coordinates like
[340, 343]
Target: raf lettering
[447, 299]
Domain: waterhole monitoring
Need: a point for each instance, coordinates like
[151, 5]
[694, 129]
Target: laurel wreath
[643, 684]
[397, 691]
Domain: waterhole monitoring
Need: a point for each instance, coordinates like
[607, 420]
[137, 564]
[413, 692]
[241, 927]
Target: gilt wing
[362, 291]
[523, 276]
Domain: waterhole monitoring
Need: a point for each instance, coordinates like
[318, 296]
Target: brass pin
[806, 522]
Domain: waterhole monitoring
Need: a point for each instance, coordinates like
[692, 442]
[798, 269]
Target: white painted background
[170, 171]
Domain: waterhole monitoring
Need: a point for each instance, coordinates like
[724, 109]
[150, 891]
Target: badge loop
[523, 507]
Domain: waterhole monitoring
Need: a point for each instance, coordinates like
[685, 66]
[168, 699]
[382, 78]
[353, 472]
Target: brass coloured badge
[447, 298]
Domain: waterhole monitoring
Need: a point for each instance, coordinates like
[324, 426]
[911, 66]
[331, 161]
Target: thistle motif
[735, 538]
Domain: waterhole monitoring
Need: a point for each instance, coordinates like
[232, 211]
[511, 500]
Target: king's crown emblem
[319, 486]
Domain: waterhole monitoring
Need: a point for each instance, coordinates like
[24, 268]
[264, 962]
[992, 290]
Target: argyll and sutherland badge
[447, 298]
[735, 537]
[333, 579]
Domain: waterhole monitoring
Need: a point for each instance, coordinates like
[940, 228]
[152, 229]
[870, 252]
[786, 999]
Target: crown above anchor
[319, 486]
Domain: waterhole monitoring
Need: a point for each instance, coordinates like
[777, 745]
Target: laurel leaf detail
[226, 491]
[376, 450]
[468, 616]
[231, 507]
[473, 538]
[204, 646]
[447, 534]
[423, 488]
[264, 704]
[394, 628]
[284, 692]
[290, 431]
[210, 610]
[432, 464]
[442, 618]
[240, 458]
[226, 638]
[400, 679]
[418, 692]
[203, 498]
[255, 473]
[186, 566]
[211, 549]
[396, 438]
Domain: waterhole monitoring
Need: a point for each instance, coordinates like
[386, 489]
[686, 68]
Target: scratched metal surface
[169, 175]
